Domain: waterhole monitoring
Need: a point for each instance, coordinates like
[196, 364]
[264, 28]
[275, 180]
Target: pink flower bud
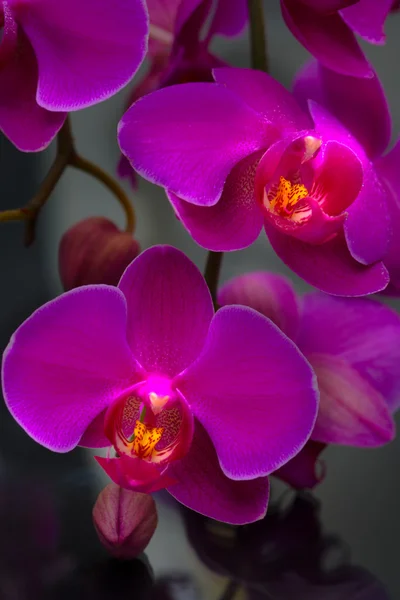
[125, 521]
[95, 251]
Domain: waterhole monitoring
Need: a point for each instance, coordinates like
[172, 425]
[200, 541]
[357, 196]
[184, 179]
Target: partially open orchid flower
[326, 28]
[201, 404]
[354, 347]
[125, 521]
[255, 158]
[60, 56]
[179, 46]
[95, 251]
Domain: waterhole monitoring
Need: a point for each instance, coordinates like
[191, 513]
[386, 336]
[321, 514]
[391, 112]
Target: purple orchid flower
[326, 28]
[203, 405]
[353, 346]
[369, 123]
[61, 56]
[179, 49]
[241, 153]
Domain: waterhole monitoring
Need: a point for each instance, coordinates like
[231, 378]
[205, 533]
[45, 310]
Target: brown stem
[211, 273]
[66, 155]
[258, 39]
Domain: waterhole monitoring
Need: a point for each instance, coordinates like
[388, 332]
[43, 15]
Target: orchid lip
[149, 422]
[286, 196]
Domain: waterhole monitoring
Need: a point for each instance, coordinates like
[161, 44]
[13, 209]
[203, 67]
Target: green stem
[66, 156]
[211, 274]
[258, 38]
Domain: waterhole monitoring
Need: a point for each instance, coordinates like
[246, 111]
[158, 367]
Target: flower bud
[95, 251]
[125, 521]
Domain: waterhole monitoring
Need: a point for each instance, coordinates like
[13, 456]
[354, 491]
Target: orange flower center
[145, 440]
[283, 198]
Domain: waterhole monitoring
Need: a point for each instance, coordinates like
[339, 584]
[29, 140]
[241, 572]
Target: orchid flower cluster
[200, 388]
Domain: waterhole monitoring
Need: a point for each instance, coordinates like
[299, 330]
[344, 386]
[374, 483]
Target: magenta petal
[169, 310]
[351, 411]
[266, 96]
[388, 169]
[327, 6]
[135, 474]
[230, 18]
[329, 266]
[162, 15]
[368, 226]
[305, 470]
[367, 18]
[203, 487]
[271, 295]
[360, 104]
[235, 221]
[362, 332]
[94, 436]
[337, 193]
[188, 137]
[327, 38]
[29, 127]
[86, 51]
[66, 363]
[258, 412]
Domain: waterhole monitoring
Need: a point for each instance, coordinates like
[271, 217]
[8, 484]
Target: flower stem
[66, 156]
[92, 169]
[211, 273]
[258, 38]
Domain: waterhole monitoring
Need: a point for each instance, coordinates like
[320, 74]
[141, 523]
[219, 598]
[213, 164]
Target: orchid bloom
[179, 50]
[326, 28]
[205, 406]
[371, 127]
[254, 157]
[64, 55]
[353, 346]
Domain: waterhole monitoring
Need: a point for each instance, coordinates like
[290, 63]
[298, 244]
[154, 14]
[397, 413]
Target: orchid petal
[327, 38]
[270, 294]
[360, 104]
[230, 18]
[258, 412]
[266, 96]
[367, 18]
[66, 363]
[135, 474]
[86, 51]
[188, 137]
[305, 470]
[169, 310]
[329, 266]
[350, 411]
[368, 226]
[28, 126]
[235, 221]
[203, 487]
[362, 332]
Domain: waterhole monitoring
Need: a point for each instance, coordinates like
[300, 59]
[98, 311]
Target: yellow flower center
[282, 199]
[145, 440]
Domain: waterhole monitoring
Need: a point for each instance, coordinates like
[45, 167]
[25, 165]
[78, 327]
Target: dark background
[360, 497]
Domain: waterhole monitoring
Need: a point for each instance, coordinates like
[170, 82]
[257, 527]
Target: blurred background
[361, 494]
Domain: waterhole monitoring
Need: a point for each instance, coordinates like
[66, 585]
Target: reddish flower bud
[125, 521]
[95, 251]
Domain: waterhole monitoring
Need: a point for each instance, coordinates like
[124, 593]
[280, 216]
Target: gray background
[361, 493]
